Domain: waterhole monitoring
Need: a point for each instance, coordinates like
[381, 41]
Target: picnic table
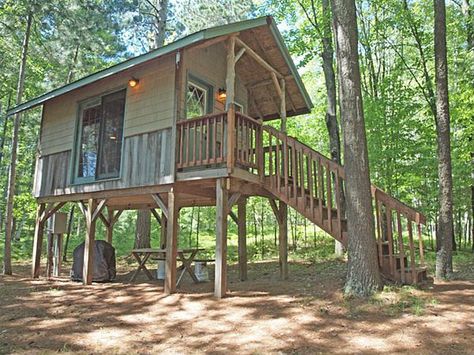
[185, 256]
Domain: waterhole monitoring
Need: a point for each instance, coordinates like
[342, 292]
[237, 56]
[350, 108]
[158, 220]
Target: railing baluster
[329, 195]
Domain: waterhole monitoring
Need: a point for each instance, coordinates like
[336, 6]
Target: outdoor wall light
[222, 95]
[133, 82]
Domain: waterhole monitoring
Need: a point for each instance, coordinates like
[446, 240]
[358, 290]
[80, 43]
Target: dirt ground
[306, 314]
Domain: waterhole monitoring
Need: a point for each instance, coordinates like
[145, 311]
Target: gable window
[100, 137]
[198, 98]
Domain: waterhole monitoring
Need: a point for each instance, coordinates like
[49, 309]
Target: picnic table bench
[185, 256]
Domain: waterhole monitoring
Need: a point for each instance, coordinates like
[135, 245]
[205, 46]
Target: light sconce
[133, 82]
[221, 95]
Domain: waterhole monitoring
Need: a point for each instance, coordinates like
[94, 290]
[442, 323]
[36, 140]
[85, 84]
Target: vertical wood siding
[145, 161]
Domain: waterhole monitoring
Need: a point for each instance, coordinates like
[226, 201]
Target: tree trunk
[332, 125]
[363, 277]
[444, 263]
[7, 263]
[142, 231]
[160, 9]
[160, 12]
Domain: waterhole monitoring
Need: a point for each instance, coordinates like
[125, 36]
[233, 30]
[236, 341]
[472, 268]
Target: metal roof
[205, 34]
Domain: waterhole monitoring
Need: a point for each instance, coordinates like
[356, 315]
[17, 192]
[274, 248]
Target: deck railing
[204, 142]
[301, 177]
[201, 141]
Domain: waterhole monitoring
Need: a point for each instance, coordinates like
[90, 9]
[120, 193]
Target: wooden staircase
[313, 185]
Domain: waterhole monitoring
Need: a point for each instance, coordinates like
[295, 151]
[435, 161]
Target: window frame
[81, 106]
[202, 85]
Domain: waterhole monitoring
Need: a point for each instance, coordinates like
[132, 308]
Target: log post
[38, 241]
[229, 105]
[242, 233]
[220, 282]
[110, 226]
[87, 271]
[283, 240]
[163, 231]
[171, 243]
[283, 222]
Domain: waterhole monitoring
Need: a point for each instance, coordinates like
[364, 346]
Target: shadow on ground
[305, 314]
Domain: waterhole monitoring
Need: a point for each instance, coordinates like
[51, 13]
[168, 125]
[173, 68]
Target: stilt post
[164, 222]
[283, 240]
[242, 235]
[171, 244]
[220, 283]
[38, 241]
[87, 271]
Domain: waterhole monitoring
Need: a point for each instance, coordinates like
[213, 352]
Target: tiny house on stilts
[184, 125]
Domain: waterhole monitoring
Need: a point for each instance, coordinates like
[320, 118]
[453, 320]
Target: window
[198, 98]
[196, 101]
[100, 137]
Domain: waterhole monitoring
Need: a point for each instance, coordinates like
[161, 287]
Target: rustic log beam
[283, 105]
[230, 72]
[257, 57]
[276, 84]
[234, 217]
[104, 220]
[275, 209]
[112, 219]
[98, 210]
[232, 200]
[160, 204]
[156, 215]
[239, 54]
[211, 42]
[52, 209]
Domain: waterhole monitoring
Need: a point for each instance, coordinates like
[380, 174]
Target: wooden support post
[171, 243]
[283, 240]
[38, 241]
[164, 222]
[87, 271]
[110, 225]
[242, 233]
[229, 105]
[283, 105]
[49, 253]
[220, 285]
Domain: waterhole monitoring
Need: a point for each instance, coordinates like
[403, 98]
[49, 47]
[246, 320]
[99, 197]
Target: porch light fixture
[221, 95]
[133, 82]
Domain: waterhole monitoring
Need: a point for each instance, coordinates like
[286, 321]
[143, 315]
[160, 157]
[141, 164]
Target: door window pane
[100, 140]
[89, 141]
[113, 107]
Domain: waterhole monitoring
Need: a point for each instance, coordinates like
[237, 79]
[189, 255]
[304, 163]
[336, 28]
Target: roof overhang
[192, 39]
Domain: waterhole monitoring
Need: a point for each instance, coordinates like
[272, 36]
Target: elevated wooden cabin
[184, 125]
